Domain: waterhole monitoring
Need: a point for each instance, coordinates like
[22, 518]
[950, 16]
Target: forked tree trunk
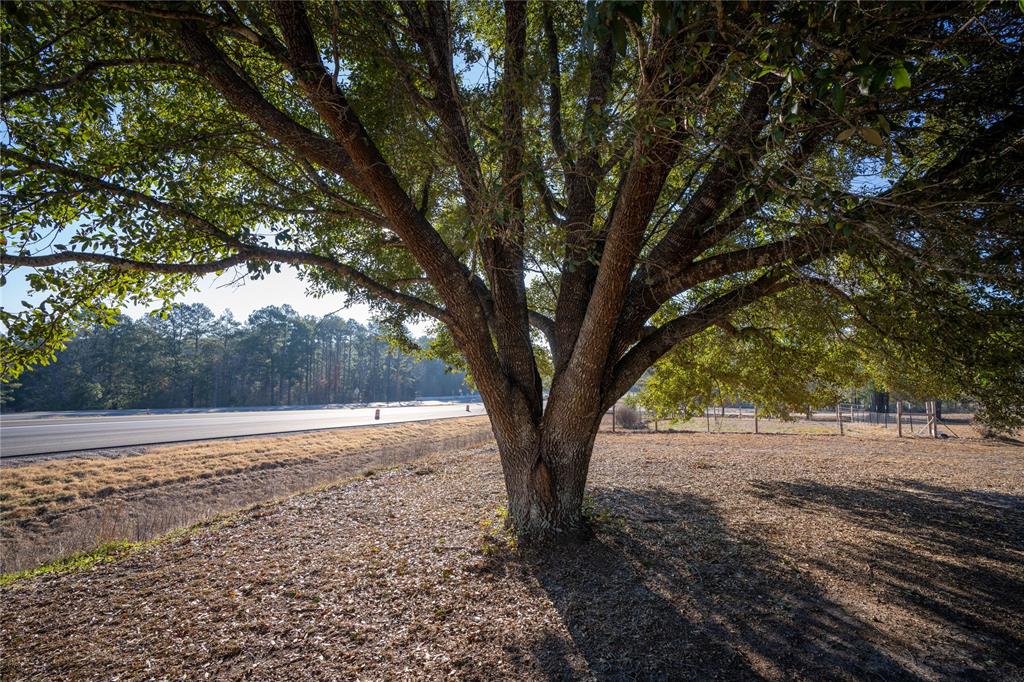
[545, 470]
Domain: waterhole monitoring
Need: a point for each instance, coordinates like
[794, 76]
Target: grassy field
[50, 508]
[715, 557]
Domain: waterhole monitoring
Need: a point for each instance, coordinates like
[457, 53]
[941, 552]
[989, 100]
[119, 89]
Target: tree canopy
[600, 181]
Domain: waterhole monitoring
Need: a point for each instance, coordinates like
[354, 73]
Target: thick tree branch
[263, 40]
[652, 285]
[578, 271]
[246, 254]
[451, 279]
[545, 325]
[739, 152]
[430, 28]
[204, 226]
[795, 249]
[238, 91]
[555, 92]
[503, 252]
[656, 148]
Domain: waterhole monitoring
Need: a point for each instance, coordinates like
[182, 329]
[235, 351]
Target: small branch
[134, 196]
[118, 263]
[89, 69]
[835, 291]
[552, 208]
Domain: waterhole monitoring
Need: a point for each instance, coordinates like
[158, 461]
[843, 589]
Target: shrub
[627, 417]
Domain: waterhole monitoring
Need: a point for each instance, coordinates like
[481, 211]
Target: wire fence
[901, 419]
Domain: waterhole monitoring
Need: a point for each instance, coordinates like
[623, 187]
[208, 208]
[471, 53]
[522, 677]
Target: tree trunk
[545, 470]
[879, 402]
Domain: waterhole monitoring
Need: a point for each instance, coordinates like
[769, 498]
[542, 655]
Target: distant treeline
[195, 359]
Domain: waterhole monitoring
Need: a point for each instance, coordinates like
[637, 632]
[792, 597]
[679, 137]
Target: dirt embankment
[715, 557]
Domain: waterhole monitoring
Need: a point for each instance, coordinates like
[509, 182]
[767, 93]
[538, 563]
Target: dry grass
[52, 507]
[727, 557]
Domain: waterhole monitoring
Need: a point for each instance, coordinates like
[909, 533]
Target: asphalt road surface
[46, 433]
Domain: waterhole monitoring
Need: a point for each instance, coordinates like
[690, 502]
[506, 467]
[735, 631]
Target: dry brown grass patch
[51, 507]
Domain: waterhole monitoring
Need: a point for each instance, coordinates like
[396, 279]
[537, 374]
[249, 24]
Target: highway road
[46, 433]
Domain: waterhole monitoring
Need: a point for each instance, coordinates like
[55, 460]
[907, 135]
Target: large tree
[593, 183]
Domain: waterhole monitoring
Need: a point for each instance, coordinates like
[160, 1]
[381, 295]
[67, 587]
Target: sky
[220, 293]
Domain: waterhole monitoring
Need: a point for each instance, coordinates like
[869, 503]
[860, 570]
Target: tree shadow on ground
[668, 591]
[954, 559]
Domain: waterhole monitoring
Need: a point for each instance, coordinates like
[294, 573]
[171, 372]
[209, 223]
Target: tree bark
[545, 469]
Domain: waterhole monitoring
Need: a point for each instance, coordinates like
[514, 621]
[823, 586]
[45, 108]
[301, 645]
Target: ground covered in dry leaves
[715, 557]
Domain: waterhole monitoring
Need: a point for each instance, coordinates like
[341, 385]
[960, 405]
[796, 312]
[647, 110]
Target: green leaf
[838, 97]
[900, 77]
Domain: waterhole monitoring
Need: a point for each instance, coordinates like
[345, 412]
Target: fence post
[756, 428]
[707, 418]
[839, 418]
[899, 419]
[613, 417]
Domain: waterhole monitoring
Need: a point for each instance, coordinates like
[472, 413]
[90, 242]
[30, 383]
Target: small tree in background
[783, 354]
